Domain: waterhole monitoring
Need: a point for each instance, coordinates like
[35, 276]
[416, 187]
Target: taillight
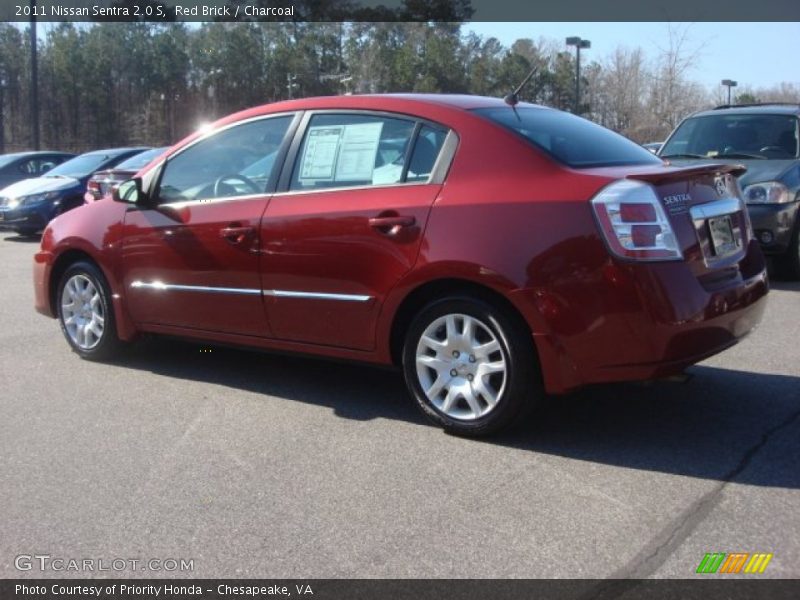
[634, 223]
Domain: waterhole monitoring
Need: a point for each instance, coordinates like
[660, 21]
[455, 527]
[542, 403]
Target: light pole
[729, 83]
[290, 85]
[578, 43]
[34, 80]
[342, 78]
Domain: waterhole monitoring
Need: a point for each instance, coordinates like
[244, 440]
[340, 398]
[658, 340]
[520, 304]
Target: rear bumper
[671, 347]
[642, 321]
[773, 225]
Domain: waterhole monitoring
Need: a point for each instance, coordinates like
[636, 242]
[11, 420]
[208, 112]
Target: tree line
[114, 84]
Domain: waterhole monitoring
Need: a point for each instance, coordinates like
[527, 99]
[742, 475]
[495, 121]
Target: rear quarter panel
[511, 219]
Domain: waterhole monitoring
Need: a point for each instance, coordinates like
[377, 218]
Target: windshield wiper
[682, 156]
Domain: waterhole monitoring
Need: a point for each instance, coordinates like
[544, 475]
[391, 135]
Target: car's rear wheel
[85, 312]
[27, 231]
[470, 367]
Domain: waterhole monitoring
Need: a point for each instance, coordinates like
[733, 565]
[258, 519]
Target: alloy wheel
[461, 366]
[82, 311]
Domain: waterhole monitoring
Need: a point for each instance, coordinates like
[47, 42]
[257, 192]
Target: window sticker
[319, 157]
[340, 152]
[359, 149]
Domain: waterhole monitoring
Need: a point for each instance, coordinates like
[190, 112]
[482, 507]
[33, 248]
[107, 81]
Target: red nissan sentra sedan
[495, 252]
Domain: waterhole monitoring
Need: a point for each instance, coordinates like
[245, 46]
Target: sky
[753, 54]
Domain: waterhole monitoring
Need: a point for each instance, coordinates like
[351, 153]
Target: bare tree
[672, 94]
[623, 89]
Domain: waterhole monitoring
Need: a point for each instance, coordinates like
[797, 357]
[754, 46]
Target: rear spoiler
[674, 172]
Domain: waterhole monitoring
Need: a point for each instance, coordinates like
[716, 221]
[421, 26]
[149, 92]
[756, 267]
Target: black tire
[521, 387]
[27, 231]
[107, 344]
[788, 264]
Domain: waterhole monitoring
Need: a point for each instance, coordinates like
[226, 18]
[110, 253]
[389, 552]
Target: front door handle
[391, 225]
[235, 234]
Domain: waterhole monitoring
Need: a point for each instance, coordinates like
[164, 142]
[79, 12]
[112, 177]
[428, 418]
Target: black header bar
[400, 10]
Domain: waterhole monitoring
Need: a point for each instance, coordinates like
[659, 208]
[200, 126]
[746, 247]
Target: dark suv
[764, 138]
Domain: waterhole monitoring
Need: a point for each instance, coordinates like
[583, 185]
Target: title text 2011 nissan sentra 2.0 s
[495, 252]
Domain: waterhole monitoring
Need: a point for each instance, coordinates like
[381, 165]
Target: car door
[191, 260]
[347, 223]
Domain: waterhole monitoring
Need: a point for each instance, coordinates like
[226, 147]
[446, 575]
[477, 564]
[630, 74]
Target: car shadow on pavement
[351, 390]
[28, 239]
[721, 425]
[784, 285]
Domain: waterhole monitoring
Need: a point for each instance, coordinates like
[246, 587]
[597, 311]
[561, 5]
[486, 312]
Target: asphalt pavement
[259, 465]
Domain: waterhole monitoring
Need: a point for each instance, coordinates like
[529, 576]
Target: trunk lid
[704, 207]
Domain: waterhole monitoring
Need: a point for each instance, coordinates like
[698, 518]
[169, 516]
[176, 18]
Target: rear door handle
[236, 235]
[391, 225]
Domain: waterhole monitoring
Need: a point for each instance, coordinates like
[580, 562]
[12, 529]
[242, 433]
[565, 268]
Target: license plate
[722, 240]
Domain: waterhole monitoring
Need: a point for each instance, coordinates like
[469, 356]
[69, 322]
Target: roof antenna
[512, 99]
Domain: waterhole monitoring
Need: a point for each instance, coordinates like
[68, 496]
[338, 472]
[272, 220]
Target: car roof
[462, 101]
[752, 109]
[378, 102]
[34, 153]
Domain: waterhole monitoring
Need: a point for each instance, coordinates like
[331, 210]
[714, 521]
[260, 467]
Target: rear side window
[569, 139]
[348, 150]
[735, 136]
[426, 150]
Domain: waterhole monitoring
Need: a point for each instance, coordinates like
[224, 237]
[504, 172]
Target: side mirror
[129, 192]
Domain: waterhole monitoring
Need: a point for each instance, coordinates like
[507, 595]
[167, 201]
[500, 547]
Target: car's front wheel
[85, 312]
[789, 263]
[471, 368]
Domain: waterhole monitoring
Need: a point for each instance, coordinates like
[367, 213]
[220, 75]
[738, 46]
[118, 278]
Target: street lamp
[578, 43]
[729, 83]
[34, 80]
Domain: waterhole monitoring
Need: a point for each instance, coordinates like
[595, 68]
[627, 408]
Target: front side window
[30, 167]
[237, 161]
[361, 150]
[734, 136]
[39, 166]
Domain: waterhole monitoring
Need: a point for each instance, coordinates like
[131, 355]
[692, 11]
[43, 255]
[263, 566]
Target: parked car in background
[763, 138]
[28, 206]
[493, 252]
[100, 184]
[654, 147]
[24, 165]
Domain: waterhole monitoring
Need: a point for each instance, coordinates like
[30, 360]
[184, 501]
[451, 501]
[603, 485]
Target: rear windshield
[80, 166]
[570, 139]
[136, 162]
[734, 136]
